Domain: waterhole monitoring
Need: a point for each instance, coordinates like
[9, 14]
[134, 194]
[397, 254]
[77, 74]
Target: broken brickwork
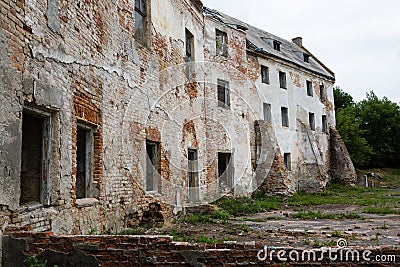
[120, 97]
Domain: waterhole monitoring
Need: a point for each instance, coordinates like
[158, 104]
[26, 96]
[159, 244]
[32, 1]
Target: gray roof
[261, 42]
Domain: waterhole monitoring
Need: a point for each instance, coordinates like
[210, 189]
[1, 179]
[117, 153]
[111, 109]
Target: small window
[311, 119]
[152, 166]
[282, 80]
[277, 45]
[140, 21]
[193, 175]
[265, 74]
[306, 57]
[324, 124]
[285, 117]
[34, 158]
[221, 43]
[288, 161]
[267, 113]
[322, 94]
[309, 88]
[84, 161]
[223, 94]
[189, 54]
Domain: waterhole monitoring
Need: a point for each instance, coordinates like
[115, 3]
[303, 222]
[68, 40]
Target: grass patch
[380, 196]
[209, 240]
[195, 219]
[133, 231]
[311, 215]
[246, 205]
[380, 210]
[338, 233]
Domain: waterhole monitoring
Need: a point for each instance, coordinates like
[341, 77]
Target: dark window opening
[193, 175]
[277, 45]
[152, 167]
[282, 80]
[288, 161]
[311, 119]
[140, 21]
[189, 42]
[309, 88]
[324, 124]
[225, 171]
[285, 117]
[84, 151]
[221, 43]
[267, 113]
[223, 94]
[265, 74]
[34, 157]
[306, 58]
[322, 94]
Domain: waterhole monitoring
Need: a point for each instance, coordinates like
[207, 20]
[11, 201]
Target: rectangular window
[309, 88]
[221, 43]
[267, 113]
[306, 57]
[285, 117]
[152, 166]
[189, 53]
[322, 94]
[193, 175]
[34, 158]
[277, 45]
[140, 21]
[282, 80]
[288, 161]
[223, 94]
[225, 171]
[265, 74]
[324, 124]
[84, 161]
[311, 119]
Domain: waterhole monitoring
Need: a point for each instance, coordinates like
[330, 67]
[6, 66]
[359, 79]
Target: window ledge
[86, 202]
[30, 207]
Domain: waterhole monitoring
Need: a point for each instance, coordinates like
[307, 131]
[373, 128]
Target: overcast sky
[359, 40]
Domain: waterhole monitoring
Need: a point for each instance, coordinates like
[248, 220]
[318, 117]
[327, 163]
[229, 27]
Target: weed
[133, 231]
[380, 210]
[311, 215]
[317, 244]
[384, 226]
[221, 215]
[338, 233]
[33, 261]
[196, 218]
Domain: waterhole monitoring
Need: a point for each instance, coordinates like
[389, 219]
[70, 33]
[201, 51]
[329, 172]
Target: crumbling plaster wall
[77, 49]
[309, 149]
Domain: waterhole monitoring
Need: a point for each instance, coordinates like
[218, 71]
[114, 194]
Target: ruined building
[115, 113]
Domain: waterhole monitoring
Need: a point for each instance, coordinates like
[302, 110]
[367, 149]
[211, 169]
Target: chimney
[298, 41]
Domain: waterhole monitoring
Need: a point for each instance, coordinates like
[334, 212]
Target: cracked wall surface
[79, 65]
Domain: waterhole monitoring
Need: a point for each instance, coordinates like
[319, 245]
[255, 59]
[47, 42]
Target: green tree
[348, 125]
[342, 99]
[380, 124]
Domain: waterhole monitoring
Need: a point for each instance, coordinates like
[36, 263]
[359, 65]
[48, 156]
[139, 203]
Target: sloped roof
[261, 42]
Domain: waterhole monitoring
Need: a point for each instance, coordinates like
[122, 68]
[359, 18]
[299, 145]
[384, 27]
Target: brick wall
[104, 251]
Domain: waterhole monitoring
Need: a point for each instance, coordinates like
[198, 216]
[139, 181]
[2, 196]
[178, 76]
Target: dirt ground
[279, 229]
